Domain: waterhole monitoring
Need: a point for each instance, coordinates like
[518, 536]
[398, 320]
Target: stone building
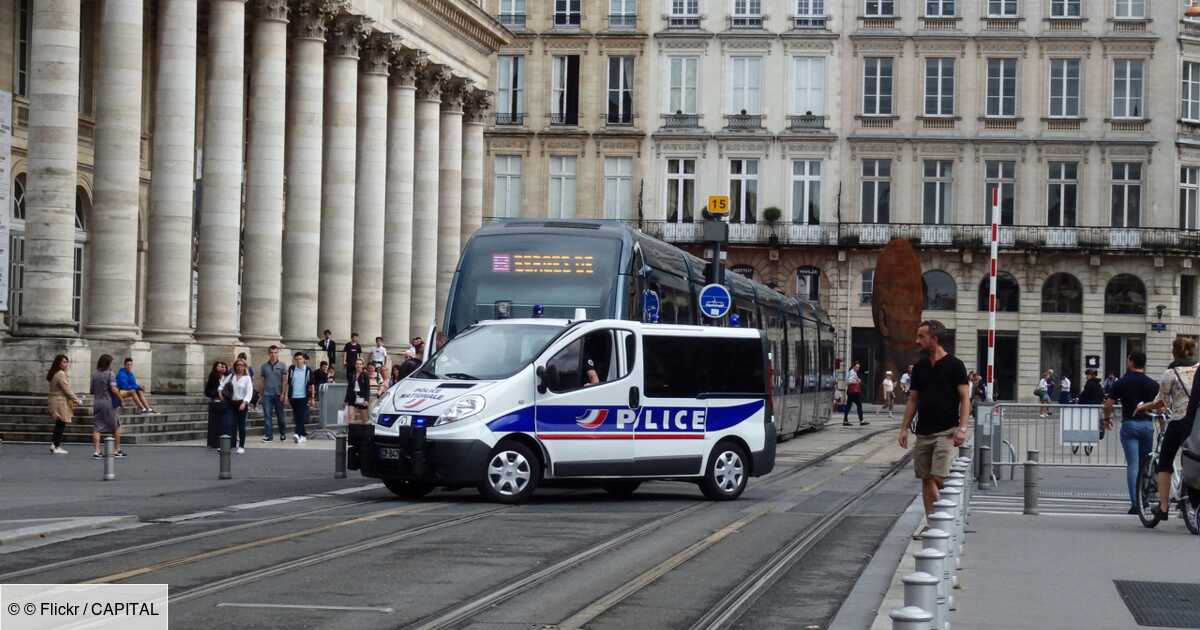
[192, 178]
[860, 121]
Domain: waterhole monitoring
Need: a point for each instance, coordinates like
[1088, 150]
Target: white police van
[508, 405]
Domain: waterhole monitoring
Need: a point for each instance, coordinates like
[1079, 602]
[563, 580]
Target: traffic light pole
[716, 234]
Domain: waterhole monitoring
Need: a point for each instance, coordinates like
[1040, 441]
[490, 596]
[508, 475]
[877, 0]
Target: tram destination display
[543, 263]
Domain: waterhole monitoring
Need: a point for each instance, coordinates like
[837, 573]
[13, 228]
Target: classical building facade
[193, 178]
[836, 125]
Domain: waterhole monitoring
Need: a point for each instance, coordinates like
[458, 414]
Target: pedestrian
[854, 395]
[417, 348]
[329, 346]
[272, 393]
[356, 403]
[940, 403]
[1174, 396]
[978, 391]
[397, 374]
[61, 401]
[216, 407]
[410, 365]
[105, 401]
[375, 375]
[352, 350]
[129, 388]
[1064, 390]
[1093, 390]
[1137, 431]
[298, 383]
[322, 375]
[379, 354]
[1109, 381]
[889, 393]
[1044, 392]
[237, 389]
[906, 382]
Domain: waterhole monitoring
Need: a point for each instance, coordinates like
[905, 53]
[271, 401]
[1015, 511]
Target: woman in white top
[889, 392]
[236, 390]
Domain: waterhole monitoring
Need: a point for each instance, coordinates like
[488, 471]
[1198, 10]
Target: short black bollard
[1033, 455]
[985, 468]
[226, 448]
[339, 456]
[1031, 486]
[110, 471]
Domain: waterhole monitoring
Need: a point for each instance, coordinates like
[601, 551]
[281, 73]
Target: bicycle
[1147, 484]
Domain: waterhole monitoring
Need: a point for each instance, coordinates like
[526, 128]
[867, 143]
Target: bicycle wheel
[1147, 493]
[1191, 515]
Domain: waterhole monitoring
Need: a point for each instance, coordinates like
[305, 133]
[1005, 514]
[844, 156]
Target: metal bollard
[961, 477]
[949, 509]
[933, 562]
[920, 590]
[339, 456]
[910, 618]
[945, 522]
[985, 468]
[940, 540]
[1031, 486]
[226, 450]
[110, 471]
[953, 494]
[1033, 455]
[964, 451]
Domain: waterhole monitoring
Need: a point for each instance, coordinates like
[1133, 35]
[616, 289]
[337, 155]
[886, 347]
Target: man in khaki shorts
[941, 402]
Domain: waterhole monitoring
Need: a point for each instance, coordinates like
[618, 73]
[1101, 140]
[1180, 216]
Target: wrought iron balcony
[684, 21]
[806, 122]
[744, 122]
[513, 20]
[679, 120]
[507, 119]
[745, 22]
[773, 234]
[810, 22]
[1023, 237]
[560, 119]
[622, 21]
[618, 119]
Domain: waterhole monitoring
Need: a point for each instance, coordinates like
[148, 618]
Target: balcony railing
[939, 23]
[806, 122]
[681, 121]
[1022, 237]
[745, 233]
[510, 119]
[744, 122]
[560, 119]
[685, 21]
[513, 20]
[810, 22]
[1004, 23]
[618, 119]
[622, 21]
[879, 22]
[750, 22]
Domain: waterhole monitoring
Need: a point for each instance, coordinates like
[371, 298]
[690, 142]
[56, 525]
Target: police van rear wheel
[727, 471]
[512, 473]
[407, 489]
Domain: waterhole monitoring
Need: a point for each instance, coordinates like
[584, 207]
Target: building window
[876, 191]
[939, 87]
[937, 193]
[1062, 293]
[808, 80]
[564, 90]
[1189, 197]
[745, 74]
[562, 187]
[622, 13]
[806, 192]
[743, 191]
[1065, 8]
[567, 12]
[877, 86]
[868, 287]
[618, 188]
[1063, 194]
[510, 89]
[1127, 88]
[1002, 175]
[1126, 195]
[940, 290]
[506, 200]
[939, 8]
[681, 189]
[1008, 293]
[1187, 295]
[881, 8]
[83, 207]
[18, 198]
[1191, 91]
[685, 78]
[1125, 295]
[684, 14]
[24, 36]
[747, 13]
[620, 90]
[810, 13]
[512, 13]
[1002, 87]
[808, 283]
[1002, 8]
[1130, 9]
[1064, 88]
[16, 277]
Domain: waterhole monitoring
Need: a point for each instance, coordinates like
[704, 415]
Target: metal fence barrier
[332, 395]
[1063, 435]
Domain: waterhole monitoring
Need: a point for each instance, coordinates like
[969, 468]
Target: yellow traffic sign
[718, 204]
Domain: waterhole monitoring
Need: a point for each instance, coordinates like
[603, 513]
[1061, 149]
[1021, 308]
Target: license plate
[389, 453]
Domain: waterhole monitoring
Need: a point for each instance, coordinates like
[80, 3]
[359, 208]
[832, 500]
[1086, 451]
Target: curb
[60, 526]
[865, 600]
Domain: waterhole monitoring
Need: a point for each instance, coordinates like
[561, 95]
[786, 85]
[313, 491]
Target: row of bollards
[226, 466]
[928, 592]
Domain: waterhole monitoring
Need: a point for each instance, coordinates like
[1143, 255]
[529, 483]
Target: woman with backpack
[1174, 395]
[216, 408]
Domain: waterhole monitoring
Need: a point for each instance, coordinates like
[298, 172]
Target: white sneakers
[240, 450]
[58, 450]
[301, 439]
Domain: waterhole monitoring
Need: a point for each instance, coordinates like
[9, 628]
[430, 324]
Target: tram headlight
[464, 407]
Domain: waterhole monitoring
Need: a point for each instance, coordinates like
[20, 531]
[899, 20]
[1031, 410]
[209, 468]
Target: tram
[550, 268]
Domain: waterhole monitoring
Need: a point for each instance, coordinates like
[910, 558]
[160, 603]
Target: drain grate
[1162, 604]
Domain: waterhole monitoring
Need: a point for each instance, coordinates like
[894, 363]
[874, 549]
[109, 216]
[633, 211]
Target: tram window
[685, 367]
[667, 316]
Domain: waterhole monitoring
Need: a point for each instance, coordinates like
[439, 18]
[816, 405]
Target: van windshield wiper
[460, 376]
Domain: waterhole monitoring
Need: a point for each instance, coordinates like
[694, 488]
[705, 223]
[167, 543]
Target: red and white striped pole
[991, 337]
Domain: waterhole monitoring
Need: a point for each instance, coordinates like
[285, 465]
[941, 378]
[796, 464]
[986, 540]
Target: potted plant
[771, 215]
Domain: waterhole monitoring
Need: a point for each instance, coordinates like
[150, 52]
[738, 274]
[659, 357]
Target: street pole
[991, 336]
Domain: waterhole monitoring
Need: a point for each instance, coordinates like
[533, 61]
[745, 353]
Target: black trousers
[853, 399]
[56, 437]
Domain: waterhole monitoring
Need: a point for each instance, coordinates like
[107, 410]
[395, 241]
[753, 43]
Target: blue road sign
[650, 306]
[715, 301]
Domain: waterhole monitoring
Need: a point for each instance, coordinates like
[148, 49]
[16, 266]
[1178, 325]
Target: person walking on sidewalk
[352, 350]
[854, 395]
[1175, 395]
[105, 401]
[61, 401]
[1064, 390]
[236, 390]
[129, 388]
[298, 383]
[1137, 430]
[329, 346]
[271, 393]
[357, 401]
[888, 387]
[941, 405]
[216, 407]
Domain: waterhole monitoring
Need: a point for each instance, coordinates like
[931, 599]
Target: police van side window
[566, 366]
[593, 354]
[685, 367]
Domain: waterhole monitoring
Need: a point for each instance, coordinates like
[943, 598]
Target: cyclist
[1137, 431]
[1174, 397]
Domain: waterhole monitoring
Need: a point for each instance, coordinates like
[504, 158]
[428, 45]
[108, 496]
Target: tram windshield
[517, 271]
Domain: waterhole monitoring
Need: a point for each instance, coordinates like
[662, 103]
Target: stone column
[305, 126]
[264, 174]
[425, 198]
[172, 189]
[371, 186]
[221, 185]
[337, 192]
[53, 158]
[450, 163]
[113, 235]
[398, 213]
[475, 110]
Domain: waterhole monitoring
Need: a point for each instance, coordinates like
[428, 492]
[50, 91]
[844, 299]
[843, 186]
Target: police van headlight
[464, 407]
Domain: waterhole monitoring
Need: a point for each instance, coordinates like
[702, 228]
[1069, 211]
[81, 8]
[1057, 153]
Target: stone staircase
[176, 418]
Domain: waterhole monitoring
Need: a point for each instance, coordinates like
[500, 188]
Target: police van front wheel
[727, 471]
[512, 473]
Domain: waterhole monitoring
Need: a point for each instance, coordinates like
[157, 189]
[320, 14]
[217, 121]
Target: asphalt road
[349, 555]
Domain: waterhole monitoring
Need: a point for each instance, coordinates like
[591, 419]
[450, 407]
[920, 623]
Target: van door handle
[634, 398]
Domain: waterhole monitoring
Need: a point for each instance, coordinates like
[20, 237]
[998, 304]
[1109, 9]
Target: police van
[509, 405]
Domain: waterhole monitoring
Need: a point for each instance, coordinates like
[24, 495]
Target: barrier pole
[339, 456]
[1031, 485]
[110, 471]
[225, 465]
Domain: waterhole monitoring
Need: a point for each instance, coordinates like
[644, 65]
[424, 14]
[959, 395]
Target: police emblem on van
[592, 419]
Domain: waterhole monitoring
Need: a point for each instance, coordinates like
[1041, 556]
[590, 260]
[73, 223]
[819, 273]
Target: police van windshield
[488, 352]
[558, 272]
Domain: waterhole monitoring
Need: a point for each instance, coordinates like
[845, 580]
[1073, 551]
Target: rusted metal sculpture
[896, 305]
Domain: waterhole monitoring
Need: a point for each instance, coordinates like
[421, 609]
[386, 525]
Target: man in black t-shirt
[941, 401]
[351, 351]
[1137, 430]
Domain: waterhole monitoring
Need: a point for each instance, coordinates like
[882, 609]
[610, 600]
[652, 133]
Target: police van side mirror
[541, 377]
